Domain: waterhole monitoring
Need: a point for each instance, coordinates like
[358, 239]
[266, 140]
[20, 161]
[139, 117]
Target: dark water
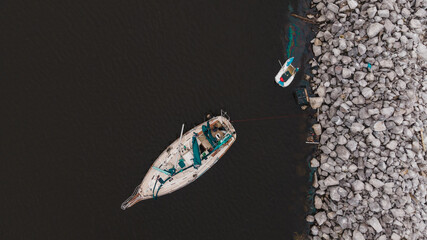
[93, 91]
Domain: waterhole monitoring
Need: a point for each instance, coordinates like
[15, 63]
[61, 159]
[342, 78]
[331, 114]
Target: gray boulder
[358, 235]
[361, 48]
[317, 50]
[331, 181]
[379, 126]
[392, 145]
[352, 4]
[342, 152]
[376, 183]
[367, 92]
[371, 12]
[375, 224]
[358, 185]
[415, 23]
[422, 51]
[320, 218]
[386, 63]
[374, 29]
[356, 127]
[387, 112]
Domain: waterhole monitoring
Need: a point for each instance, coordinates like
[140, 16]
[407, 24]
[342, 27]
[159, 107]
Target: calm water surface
[94, 91]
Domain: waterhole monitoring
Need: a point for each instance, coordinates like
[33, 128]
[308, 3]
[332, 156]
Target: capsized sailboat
[286, 74]
[186, 159]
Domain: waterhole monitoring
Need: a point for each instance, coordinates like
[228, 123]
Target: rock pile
[371, 72]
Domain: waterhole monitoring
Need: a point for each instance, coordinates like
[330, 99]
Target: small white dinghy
[286, 74]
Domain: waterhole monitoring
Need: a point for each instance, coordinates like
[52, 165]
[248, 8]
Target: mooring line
[268, 118]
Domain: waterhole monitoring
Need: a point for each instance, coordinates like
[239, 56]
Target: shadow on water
[297, 37]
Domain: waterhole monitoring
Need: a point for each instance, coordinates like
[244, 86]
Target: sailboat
[186, 159]
[286, 73]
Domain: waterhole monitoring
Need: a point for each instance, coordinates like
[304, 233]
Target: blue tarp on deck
[196, 153]
[207, 131]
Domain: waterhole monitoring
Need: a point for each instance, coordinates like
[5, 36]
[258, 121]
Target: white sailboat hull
[151, 186]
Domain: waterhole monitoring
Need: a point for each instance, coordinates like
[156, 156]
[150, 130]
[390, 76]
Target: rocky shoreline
[371, 73]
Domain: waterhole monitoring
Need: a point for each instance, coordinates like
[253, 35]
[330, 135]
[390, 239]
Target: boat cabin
[288, 74]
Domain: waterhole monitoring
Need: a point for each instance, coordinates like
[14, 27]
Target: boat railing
[227, 124]
[225, 114]
[131, 200]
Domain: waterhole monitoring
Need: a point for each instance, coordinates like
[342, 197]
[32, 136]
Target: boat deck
[173, 169]
[215, 133]
[291, 69]
[186, 174]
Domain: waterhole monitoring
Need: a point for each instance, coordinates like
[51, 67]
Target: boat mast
[180, 138]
